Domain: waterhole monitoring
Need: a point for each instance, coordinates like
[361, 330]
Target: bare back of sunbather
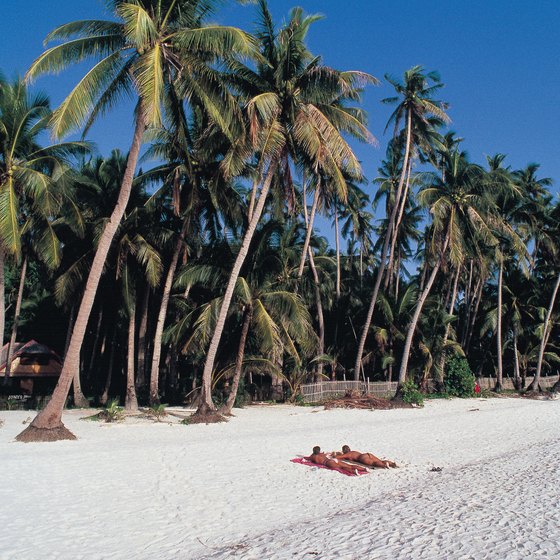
[323, 459]
[368, 459]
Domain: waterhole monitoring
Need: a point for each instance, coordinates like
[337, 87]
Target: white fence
[318, 392]
[324, 390]
[507, 382]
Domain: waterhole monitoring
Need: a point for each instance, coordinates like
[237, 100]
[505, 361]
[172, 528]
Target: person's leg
[371, 460]
[351, 468]
[335, 464]
[374, 458]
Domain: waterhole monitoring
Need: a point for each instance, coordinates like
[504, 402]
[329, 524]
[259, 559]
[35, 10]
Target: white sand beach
[168, 491]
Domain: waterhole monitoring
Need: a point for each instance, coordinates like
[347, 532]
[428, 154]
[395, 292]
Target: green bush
[113, 412]
[459, 379]
[157, 411]
[411, 394]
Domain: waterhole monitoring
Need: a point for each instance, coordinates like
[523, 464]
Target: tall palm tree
[201, 196]
[141, 53]
[136, 257]
[552, 251]
[290, 116]
[358, 222]
[416, 106]
[265, 315]
[458, 213]
[509, 205]
[34, 192]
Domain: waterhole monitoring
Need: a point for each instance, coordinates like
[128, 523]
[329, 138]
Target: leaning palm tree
[290, 117]
[416, 109]
[141, 53]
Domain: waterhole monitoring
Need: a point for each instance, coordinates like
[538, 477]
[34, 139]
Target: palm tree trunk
[309, 231]
[69, 329]
[105, 395]
[131, 402]
[416, 316]
[412, 326]
[371, 309]
[95, 342]
[499, 379]
[441, 368]
[252, 199]
[516, 370]
[390, 346]
[469, 283]
[423, 276]
[361, 264]
[228, 405]
[382, 260]
[17, 311]
[172, 380]
[318, 303]
[2, 298]
[47, 425]
[337, 243]
[79, 398]
[320, 316]
[156, 355]
[391, 271]
[534, 386]
[398, 276]
[467, 304]
[142, 330]
[474, 314]
[206, 405]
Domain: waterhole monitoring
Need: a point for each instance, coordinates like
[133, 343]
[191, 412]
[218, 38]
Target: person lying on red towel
[333, 463]
[368, 459]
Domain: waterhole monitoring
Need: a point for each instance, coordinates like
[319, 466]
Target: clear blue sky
[499, 59]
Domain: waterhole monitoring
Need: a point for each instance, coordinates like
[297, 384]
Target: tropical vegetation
[192, 269]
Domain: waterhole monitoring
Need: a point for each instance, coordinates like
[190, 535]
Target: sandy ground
[167, 491]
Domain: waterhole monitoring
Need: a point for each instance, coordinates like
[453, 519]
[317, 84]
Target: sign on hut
[35, 368]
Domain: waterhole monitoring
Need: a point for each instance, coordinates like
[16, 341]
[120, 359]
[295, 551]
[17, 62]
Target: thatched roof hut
[32, 360]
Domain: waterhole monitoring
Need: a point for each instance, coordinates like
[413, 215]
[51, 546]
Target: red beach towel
[306, 461]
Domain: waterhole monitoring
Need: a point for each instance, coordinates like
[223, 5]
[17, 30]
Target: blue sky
[499, 59]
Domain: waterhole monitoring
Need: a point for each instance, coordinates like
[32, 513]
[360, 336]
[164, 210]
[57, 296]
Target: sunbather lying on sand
[323, 459]
[368, 459]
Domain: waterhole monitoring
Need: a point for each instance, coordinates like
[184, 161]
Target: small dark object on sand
[436, 469]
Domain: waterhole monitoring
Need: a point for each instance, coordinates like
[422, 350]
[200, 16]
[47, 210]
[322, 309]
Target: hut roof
[27, 349]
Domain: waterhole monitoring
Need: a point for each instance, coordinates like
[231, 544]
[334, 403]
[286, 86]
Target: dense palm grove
[192, 267]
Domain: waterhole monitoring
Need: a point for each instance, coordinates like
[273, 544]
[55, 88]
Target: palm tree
[34, 189]
[200, 196]
[357, 222]
[458, 213]
[151, 42]
[272, 320]
[136, 256]
[552, 252]
[290, 116]
[97, 187]
[415, 109]
[509, 201]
